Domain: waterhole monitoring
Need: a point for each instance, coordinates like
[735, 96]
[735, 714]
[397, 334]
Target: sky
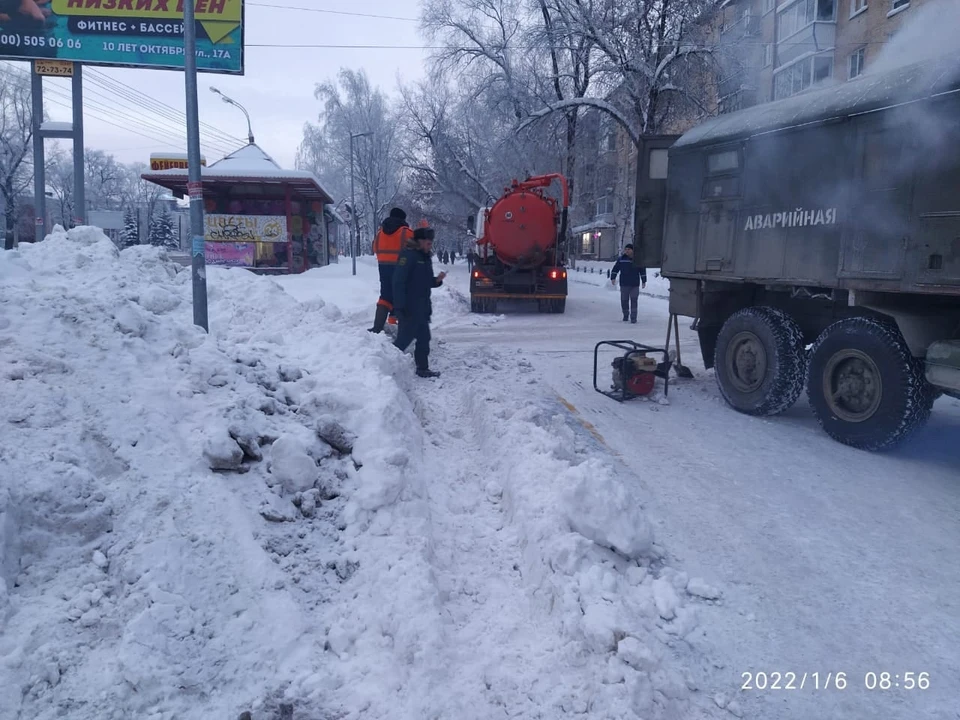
[277, 88]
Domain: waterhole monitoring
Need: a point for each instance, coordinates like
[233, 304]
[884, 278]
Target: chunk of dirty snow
[614, 671]
[494, 490]
[222, 452]
[665, 598]
[290, 464]
[247, 438]
[335, 435]
[603, 509]
[698, 587]
[130, 322]
[99, 559]
[90, 618]
[599, 627]
[636, 575]
[276, 509]
[158, 300]
[637, 655]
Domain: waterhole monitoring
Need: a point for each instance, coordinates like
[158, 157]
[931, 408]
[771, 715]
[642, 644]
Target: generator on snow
[635, 372]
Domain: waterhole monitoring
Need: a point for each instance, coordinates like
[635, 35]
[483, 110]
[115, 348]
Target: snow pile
[589, 558]
[592, 272]
[179, 513]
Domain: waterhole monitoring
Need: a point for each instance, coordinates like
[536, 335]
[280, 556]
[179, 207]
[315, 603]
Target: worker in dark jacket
[388, 244]
[412, 283]
[632, 277]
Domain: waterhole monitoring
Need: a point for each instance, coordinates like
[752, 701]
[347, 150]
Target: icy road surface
[831, 560]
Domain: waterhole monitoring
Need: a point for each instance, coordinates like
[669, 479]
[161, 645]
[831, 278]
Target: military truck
[816, 243]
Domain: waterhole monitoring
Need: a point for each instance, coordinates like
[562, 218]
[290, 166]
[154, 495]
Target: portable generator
[635, 371]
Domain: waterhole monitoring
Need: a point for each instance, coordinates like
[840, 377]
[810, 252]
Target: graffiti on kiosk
[245, 228]
[792, 218]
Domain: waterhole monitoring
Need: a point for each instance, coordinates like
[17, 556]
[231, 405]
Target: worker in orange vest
[390, 240]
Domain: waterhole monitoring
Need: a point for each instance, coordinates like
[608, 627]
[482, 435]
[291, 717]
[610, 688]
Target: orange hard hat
[423, 223]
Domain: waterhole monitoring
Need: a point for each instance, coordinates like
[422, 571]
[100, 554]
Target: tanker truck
[815, 242]
[518, 247]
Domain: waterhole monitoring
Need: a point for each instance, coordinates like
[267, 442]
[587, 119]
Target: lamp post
[231, 101]
[353, 205]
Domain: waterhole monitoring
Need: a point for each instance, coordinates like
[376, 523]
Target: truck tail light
[557, 274]
[476, 273]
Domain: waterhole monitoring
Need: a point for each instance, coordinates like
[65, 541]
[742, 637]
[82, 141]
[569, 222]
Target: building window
[586, 244]
[802, 75]
[801, 14]
[658, 164]
[605, 205]
[898, 4]
[856, 63]
[767, 54]
[857, 7]
[768, 5]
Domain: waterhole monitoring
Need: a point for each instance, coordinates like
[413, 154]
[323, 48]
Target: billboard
[131, 33]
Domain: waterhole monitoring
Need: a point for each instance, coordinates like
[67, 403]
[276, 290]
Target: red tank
[521, 227]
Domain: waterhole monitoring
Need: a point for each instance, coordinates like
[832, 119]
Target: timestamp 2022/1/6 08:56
[870, 680]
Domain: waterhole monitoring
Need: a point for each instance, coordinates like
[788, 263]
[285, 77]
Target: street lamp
[353, 204]
[231, 101]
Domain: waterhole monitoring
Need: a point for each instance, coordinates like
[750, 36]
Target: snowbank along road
[281, 518]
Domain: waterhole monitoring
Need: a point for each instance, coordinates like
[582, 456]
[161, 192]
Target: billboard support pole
[79, 196]
[194, 176]
[39, 179]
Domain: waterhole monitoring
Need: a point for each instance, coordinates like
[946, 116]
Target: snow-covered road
[831, 560]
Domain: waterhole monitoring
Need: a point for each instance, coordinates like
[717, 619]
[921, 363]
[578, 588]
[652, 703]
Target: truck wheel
[760, 361]
[544, 306]
[560, 305]
[476, 305]
[865, 387]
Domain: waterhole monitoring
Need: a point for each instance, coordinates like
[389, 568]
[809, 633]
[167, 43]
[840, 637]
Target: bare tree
[352, 106]
[652, 58]
[16, 142]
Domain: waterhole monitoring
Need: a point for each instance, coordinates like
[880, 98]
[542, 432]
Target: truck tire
[759, 361]
[560, 305]
[476, 305]
[865, 387]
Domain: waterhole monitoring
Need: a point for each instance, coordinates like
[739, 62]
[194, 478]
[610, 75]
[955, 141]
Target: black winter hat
[628, 246]
[398, 213]
[423, 234]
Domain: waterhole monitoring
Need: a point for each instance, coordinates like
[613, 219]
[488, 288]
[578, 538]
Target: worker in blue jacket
[632, 277]
[413, 281]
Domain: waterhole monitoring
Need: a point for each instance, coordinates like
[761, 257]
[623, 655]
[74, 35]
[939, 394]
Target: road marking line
[586, 424]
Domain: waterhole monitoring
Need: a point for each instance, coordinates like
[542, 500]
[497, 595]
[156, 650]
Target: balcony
[747, 25]
[815, 37]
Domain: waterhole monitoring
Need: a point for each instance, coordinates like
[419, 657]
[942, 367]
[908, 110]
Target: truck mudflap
[943, 365]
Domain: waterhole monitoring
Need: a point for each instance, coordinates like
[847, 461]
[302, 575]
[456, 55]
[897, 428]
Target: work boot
[379, 320]
[633, 320]
[427, 373]
[625, 318]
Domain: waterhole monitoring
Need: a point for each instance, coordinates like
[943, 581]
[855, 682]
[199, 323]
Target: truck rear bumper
[943, 365]
[517, 296]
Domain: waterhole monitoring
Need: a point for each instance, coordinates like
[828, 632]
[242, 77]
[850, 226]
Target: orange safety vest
[388, 246]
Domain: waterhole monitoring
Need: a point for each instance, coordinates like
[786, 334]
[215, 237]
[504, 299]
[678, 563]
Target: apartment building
[769, 51]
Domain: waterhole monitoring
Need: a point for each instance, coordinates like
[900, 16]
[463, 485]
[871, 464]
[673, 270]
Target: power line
[105, 113]
[123, 88]
[331, 12]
